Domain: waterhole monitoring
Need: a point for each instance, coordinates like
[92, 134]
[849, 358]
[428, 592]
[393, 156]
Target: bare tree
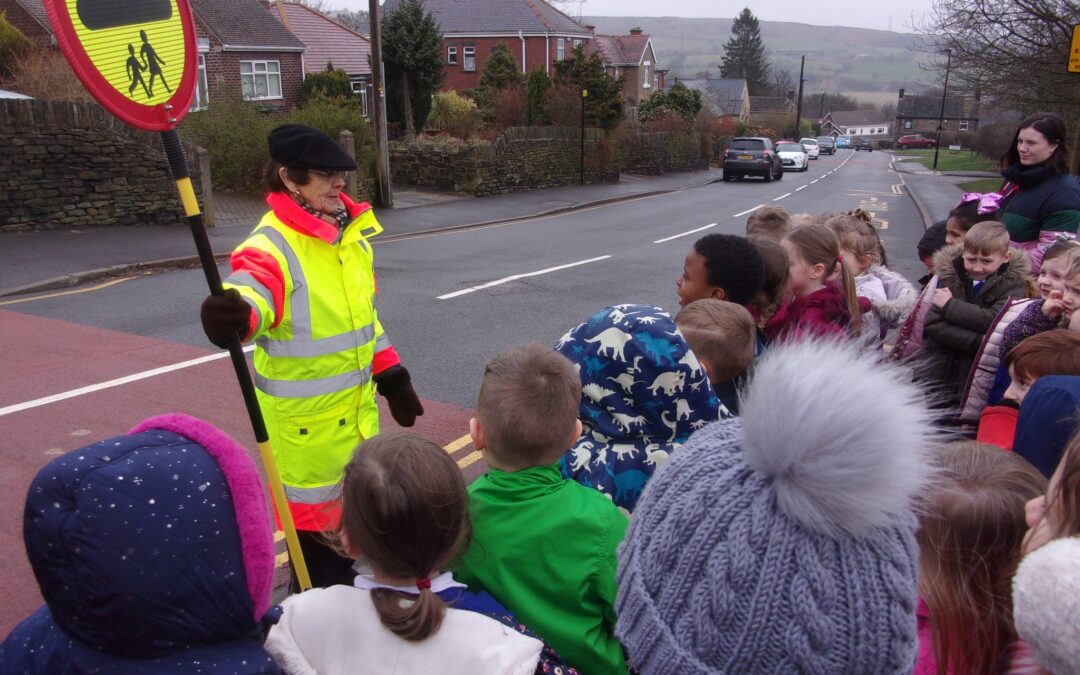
[1012, 51]
[321, 6]
[782, 82]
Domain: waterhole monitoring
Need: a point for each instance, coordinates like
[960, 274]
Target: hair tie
[423, 583]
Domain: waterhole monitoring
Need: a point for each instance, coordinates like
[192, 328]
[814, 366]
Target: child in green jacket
[543, 545]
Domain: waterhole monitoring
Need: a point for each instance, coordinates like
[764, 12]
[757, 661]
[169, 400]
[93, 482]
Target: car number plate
[746, 156]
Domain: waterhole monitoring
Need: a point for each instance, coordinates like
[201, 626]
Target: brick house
[631, 57]
[533, 32]
[920, 114]
[724, 97]
[869, 123]
[30, 18]
[328, 42]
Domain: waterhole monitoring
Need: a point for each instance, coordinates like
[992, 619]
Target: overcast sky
[896, 15]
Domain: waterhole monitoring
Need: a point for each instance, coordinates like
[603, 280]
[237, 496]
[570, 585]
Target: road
[449, 302]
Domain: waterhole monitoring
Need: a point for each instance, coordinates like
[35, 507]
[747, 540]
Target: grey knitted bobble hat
[784, 541]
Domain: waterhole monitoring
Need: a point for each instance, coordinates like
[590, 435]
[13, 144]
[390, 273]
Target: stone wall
[662, 152]
[520, 159]
[73, 164]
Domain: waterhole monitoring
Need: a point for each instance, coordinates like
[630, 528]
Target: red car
[914, 141]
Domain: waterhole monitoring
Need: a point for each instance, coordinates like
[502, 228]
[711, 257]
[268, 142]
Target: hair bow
[988, 203]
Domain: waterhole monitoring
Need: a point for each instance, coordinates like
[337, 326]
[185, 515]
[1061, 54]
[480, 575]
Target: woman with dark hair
[1040, 198]
[303, 289]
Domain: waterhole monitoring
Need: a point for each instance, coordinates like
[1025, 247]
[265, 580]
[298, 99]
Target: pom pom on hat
[1046, 604]
[303, 147]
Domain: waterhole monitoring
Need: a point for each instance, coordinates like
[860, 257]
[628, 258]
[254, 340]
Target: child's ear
[476, 431]
[817, 271]
[718, 293]
[1008, 256]
[348, 546]
[577, 433]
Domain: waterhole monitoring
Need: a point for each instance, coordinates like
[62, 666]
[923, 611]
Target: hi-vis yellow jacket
[318, 342]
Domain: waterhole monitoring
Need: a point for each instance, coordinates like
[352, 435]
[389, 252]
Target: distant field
[875, 97]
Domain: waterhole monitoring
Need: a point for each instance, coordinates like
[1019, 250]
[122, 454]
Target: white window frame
[201, 99]
[267, 71]
[451, 56]
[575, 43]
[907, 124]
[963, 125]
[360, 88]
[560, 49]
[468, 59]
[648, 84]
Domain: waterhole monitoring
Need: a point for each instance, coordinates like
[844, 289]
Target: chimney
[901, 94]
[591, 29]
[635, 31]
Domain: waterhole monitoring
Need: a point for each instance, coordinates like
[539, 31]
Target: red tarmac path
[42, 357]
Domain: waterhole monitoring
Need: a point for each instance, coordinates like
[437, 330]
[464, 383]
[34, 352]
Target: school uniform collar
[294, 215]
[529, 483]
[443, 582]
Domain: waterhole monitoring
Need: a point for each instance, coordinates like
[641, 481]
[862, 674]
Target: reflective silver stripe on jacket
[315, 495]
[312, 387]
[321, 347]
[382, 343]
[248, 280]
[299, 302]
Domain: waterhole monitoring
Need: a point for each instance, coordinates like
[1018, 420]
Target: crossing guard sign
[138, 58]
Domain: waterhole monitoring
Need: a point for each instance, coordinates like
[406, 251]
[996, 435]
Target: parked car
[863, 143]
[811, 147]
[826, 145]
[752, 156]
[843, 142]
[914, 141]
[793, 156]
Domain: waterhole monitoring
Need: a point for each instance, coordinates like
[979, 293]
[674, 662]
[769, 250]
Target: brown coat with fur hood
[953, 333]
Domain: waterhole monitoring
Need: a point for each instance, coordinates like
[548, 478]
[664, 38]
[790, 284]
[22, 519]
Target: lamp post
[941, 117]
[798, 106]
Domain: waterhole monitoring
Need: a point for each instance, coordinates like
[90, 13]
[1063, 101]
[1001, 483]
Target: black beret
[302, 147]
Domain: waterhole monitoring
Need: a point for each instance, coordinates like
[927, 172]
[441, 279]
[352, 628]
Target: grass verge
[964, 160]
[981, 185]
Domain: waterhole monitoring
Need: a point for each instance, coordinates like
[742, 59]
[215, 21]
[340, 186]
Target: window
[646, 79]
[469, 57]
[560, 49]
[576, 43]
[963, 125]
[655, 81]
[881, 130]
[260, 80]
[451, 55]
[201, 100]
[907, 124]
[359, 88]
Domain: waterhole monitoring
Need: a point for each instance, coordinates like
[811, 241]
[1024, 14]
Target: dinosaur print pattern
[642, 394]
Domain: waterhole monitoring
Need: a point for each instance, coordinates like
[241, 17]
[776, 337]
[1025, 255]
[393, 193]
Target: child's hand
[1053, 306]
[941, 296]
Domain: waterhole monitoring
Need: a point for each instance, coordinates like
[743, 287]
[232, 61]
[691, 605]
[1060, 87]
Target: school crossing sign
[138, 58]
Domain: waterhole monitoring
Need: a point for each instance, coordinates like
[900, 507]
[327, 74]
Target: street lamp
[941, 117]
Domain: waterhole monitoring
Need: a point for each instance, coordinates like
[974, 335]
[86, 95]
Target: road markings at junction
[127, 379]
[60, 294]
[515, 277]
[684, 234]
[783, 196]
[743, 213]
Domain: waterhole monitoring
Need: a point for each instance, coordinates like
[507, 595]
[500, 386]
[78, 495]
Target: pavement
[38, 260]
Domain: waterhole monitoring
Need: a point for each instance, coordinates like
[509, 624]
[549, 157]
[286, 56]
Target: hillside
[838, 59]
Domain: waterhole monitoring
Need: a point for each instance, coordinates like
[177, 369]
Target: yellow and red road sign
[1074, 51]
[138, 58]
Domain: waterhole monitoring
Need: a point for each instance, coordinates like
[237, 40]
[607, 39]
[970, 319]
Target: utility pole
[941, 117]
[378, 110]
[584, 95]
[798, 107]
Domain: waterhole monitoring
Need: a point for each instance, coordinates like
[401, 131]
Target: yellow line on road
[61, 294]
[454, 446]
[470, 459]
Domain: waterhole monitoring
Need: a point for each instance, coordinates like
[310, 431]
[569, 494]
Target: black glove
[224, 316]
[395, 384]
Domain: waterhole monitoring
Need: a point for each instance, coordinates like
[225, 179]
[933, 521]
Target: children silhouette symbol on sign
[152, 62]
[134, 72]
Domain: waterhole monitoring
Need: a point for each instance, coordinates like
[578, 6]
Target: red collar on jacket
[294, 215]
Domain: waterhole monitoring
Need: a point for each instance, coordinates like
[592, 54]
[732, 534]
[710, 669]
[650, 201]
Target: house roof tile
[760, 104]
[480, 17]
[36, 9]
[244, 23]
[956, 107]
[847, 118]
[327, 40]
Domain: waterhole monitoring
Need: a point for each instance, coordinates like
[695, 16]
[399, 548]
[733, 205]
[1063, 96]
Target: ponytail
[850, 295]
[819, 245]
[412, 618]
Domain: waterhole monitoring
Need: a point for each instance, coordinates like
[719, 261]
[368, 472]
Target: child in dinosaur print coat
[643, 393]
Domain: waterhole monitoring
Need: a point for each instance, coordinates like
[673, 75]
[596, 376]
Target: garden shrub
[455, 114]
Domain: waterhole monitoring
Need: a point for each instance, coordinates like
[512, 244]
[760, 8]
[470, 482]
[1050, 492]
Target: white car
[793, 156]
[811, 146]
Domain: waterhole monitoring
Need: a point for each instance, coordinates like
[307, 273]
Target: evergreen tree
[604, 106]
[680, 99]
[500, 72]
[536, 88]
[744, 54]
[331, 83]
[412, 57]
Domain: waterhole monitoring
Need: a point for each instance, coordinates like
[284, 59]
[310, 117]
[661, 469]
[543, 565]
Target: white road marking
[783, 196]
[127, 379]
[684, 234]
[814, 181]
[743, 213]
[515, 277]
[801, 187]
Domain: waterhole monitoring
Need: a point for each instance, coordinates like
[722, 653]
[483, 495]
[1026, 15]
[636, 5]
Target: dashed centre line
[783, 196]
[684, 234]
[515, 277]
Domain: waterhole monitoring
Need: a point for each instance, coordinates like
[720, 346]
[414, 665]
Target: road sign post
[581, 168]
[139, 60]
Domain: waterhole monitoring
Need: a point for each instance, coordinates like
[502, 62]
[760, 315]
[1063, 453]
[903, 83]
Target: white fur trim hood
[1046, 604]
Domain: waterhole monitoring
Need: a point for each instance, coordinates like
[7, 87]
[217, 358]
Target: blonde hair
[528, 404]
[767, 301]
[970, 536]
[1072, 262]
[721, 334]
[987, 238]
[771, 221]
[818, 245]
[858, 236]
